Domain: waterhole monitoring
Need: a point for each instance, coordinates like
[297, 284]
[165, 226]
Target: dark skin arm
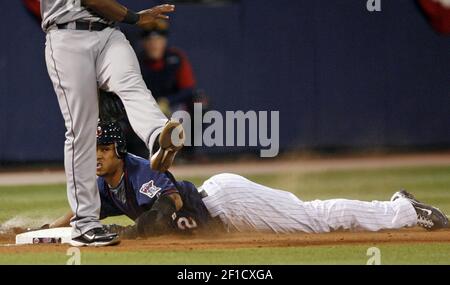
[177, 200]
[150, 223]
[64, 221]
[157, 220]
[112, 10]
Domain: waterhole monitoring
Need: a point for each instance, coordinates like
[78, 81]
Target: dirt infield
[232, 241]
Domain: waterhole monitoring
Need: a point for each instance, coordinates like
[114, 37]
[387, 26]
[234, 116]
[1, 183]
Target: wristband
[131, 17]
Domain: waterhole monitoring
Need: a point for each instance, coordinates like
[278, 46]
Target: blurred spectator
[169, 75]
[438, 12]
[34, 6]
[166, 70]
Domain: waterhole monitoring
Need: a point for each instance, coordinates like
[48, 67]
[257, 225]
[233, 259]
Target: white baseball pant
[243, 205]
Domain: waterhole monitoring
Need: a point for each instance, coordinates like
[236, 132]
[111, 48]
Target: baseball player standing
[84, 52]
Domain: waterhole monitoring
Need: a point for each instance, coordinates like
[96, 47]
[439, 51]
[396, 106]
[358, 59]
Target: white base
[56, 235]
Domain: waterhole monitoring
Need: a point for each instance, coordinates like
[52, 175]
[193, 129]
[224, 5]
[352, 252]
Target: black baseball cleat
[169, 145]
[428, 217]
[96, 237]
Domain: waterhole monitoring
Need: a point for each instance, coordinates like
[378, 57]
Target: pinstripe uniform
[243, 205]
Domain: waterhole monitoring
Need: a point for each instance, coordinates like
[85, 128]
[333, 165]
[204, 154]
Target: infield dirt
[246, 240]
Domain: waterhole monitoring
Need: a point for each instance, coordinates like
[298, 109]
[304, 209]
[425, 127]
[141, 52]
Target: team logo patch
[150, 189]
[99, 131]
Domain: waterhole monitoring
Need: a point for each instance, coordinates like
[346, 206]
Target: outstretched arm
[63, 221]
[152, 222]
[114, 11]
[157, 220]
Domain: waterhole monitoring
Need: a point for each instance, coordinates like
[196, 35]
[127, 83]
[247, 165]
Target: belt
[208, 189]
[202, 192]
[84, 26]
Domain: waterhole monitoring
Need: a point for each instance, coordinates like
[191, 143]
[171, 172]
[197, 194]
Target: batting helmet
[111, 133]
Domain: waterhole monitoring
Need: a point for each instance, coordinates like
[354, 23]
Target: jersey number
[184, 223]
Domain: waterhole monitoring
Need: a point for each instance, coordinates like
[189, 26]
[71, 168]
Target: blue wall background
[339, 76]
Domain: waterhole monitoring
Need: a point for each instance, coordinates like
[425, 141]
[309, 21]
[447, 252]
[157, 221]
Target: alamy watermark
[374, 254]
[74, 254]
[234, 129]
[373, 5]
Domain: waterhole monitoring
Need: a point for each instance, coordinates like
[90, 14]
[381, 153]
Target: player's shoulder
[139, 169]
[136, 166]
[132, 160]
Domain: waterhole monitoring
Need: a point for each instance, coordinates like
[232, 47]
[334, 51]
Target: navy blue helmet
[111, 133]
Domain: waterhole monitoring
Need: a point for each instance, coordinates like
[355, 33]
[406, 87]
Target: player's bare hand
[20, 230]
[149, 16]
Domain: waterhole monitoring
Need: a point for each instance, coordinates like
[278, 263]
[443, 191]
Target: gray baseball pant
[79, 62]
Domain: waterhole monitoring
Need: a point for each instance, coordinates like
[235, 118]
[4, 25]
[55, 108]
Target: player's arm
[176, 198]
[157, 220]
[112, 10]
[63, 221]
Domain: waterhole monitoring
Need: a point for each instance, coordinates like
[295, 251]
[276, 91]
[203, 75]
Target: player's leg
[119, 72]
[341, 214]
[70, 63]
[243, 205]
[247, 206]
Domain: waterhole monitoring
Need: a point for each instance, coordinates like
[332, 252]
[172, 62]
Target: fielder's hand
[148, 17]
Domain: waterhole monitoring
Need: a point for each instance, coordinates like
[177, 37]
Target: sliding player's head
[111, 148]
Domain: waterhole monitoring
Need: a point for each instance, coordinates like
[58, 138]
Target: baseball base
[56, 235]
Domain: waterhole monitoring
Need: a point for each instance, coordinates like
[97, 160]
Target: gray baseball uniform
[79, 62]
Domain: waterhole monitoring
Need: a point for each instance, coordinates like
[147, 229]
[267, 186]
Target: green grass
[353, 255]
[36, 204]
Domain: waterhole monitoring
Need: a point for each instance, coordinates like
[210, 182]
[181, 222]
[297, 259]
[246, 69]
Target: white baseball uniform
[243, 205]
[79, 62]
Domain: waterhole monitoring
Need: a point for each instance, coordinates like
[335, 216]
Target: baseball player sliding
[159, 204]
[84, 52]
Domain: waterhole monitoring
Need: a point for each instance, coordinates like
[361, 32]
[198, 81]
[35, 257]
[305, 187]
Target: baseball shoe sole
[171, 140]
[428, 217]
[96, 238]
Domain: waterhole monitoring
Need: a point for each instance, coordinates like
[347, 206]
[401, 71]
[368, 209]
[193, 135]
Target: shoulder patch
[149, 189]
